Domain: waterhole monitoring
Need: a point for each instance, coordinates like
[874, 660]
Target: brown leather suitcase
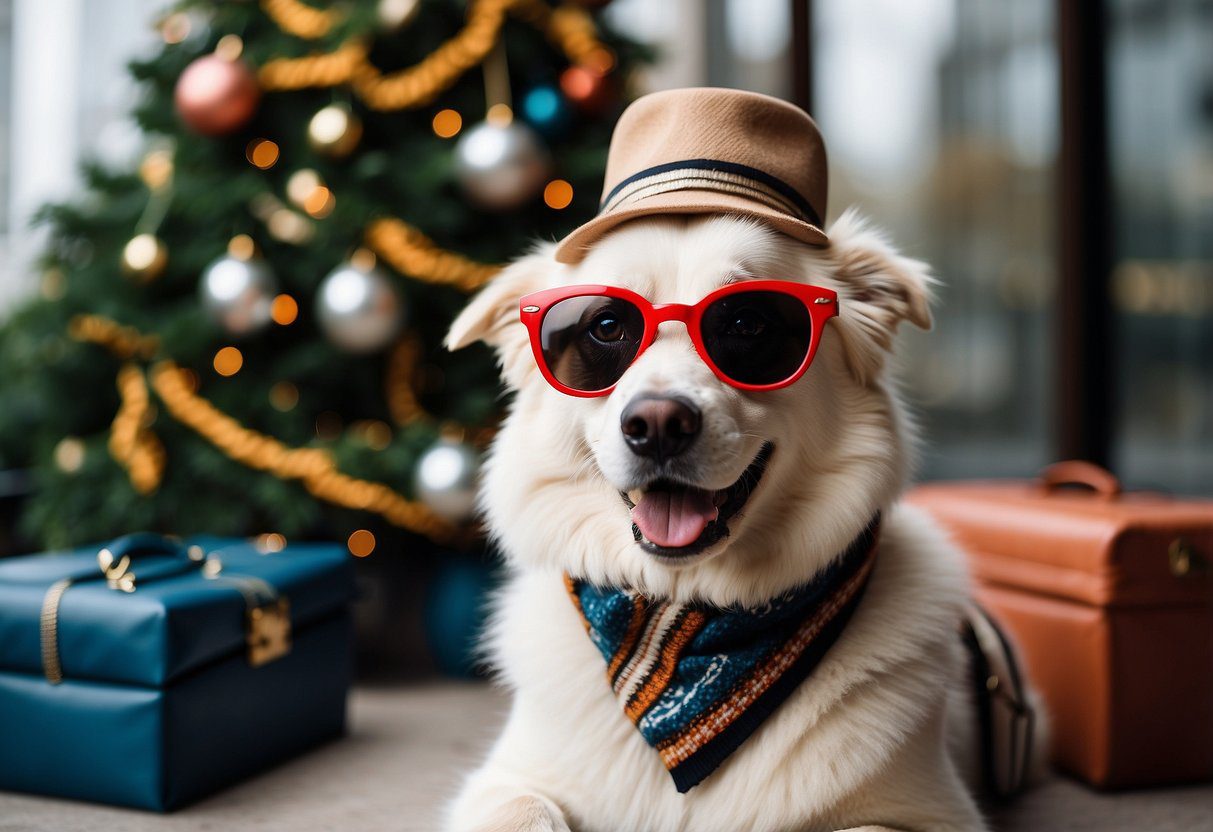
[1109, 596]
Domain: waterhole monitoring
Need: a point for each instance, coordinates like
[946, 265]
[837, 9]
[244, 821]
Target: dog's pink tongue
[674, 518]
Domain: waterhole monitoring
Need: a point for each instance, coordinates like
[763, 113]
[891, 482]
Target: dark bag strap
[1006, 720]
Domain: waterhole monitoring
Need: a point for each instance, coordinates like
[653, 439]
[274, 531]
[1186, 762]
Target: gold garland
[131, 444]
[299, 19]
[571, 29]
[399, 383]
[314, 467]
[122, 341]
[412, 253]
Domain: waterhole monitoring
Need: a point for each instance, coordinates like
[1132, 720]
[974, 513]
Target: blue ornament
[546, 109]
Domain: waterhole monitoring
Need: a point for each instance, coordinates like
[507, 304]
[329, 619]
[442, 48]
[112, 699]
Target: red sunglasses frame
[821, 303]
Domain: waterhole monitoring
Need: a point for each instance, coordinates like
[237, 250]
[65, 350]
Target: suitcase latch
[269, 632]
[1185, 560]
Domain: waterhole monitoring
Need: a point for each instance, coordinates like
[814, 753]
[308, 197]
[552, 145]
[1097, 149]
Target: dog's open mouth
[675, 520]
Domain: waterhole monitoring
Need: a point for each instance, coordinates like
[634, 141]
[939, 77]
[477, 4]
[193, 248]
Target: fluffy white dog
[865, 740]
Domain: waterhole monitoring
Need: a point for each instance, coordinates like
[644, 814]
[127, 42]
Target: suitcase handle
[1077, 472]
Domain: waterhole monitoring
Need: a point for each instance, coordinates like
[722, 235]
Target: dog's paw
[870, 829]
[525, 814]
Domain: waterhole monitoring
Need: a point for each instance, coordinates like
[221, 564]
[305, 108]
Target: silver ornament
[394, 14]
[358, 308]
[238, 293]
[501, 166]
[446, 479]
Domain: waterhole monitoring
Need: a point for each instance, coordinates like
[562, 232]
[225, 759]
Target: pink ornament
[215, 96]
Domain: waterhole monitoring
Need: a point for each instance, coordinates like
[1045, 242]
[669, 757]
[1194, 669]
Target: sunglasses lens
[757, 337]
[589, 342]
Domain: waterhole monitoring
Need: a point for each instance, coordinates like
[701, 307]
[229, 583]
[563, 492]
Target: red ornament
[589, 91]
[215, 96]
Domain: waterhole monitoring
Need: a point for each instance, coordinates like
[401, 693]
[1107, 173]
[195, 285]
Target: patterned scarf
[698, 680]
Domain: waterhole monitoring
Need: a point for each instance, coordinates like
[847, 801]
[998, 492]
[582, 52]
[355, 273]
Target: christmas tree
[243, 335]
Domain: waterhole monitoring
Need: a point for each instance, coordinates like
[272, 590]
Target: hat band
[711, 175]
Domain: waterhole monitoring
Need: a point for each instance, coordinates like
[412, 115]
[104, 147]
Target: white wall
[69, 95]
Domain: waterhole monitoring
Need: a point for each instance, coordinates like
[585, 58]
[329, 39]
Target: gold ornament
[144, 257]
[334, 131]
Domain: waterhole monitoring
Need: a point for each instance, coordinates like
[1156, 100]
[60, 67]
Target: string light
[229, 47]
[262, 153]
[156, 169]
[69, 454]
[175, 27]
[320, 203]
[361, 543]
[284, 310]
[302, 184]
[228, 361]
[269, 543]
[558, 194]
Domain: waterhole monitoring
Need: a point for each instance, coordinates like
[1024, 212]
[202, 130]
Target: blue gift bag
[151, 672]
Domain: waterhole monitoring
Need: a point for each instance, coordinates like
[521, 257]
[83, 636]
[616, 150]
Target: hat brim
[576, 245]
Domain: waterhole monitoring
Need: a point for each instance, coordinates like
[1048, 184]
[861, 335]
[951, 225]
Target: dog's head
[677, 483]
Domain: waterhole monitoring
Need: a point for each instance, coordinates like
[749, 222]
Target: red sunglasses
[753, 334]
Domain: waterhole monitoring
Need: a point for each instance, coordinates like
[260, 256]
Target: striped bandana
[698, 680]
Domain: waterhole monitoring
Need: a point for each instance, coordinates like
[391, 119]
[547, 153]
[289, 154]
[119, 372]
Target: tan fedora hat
[711, 151]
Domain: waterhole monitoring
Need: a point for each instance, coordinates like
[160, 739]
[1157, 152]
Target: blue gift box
[151, 672]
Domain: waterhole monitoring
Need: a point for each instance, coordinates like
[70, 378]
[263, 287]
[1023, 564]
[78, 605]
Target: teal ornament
[455, 613]
[546, 109]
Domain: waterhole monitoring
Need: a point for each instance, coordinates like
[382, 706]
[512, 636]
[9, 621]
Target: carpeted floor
[405, 751]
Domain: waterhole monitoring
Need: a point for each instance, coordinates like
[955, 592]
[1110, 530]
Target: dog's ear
[878, 289]
[492, 315]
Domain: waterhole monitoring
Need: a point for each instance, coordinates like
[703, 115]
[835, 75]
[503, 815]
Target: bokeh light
[361, 543]
[558, 194]
[447, 123]
[284, 310]
[228, 361]
[262, 153]
[284, 396]
[499, 115]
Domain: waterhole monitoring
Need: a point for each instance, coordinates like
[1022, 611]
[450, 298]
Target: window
[1160, 83]
[941, 123]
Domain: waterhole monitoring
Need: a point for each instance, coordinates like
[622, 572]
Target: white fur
[864, 740]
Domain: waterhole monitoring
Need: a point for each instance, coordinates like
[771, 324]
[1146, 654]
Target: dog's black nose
[659, 427]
